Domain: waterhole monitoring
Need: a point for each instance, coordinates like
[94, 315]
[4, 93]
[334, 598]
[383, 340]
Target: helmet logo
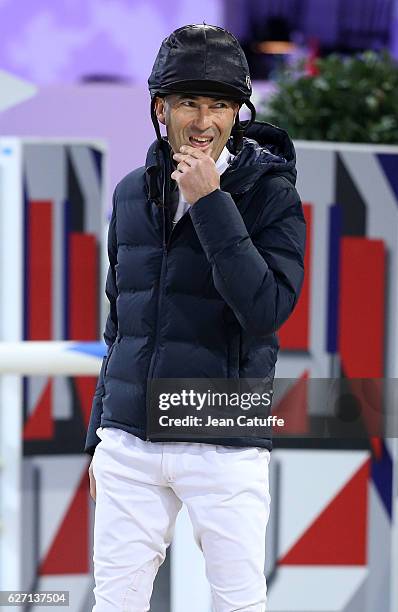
[248, 82]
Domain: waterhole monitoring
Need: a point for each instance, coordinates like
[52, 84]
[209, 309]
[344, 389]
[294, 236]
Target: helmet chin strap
[155, 119]
[240, 127]
[162, 149]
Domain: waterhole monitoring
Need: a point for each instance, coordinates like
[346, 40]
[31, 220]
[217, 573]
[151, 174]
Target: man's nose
[203, 119]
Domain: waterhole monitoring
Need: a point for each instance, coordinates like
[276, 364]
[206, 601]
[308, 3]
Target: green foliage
[352, 99]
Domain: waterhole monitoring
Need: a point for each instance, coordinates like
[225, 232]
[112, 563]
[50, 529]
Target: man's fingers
[188, 159]
[199, 154]
[183, 166]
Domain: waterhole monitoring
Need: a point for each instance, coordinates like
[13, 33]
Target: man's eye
[187, 102]
[218, 105]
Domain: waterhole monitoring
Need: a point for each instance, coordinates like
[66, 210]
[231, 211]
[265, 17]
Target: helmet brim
[214, 89]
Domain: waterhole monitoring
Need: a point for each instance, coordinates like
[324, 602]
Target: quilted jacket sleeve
[110, 333]
[259, 276]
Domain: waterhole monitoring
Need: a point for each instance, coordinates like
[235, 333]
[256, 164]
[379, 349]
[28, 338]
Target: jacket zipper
[166, 246]
[152, 363]
[160, 295]
[174, 227]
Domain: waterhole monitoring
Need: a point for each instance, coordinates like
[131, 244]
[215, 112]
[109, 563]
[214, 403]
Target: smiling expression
[198, 121]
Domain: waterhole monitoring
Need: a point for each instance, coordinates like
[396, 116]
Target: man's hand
[93, 491]
[196, 173]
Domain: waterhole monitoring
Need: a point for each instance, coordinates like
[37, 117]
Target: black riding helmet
[203, 60]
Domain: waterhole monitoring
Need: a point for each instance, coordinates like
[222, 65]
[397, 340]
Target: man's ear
[160, 110]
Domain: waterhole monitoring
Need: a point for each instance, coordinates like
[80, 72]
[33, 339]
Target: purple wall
[314, 18]
[322, 19]
[46, 41]
[319, 17]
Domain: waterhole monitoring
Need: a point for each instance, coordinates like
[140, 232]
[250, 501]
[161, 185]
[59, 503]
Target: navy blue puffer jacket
[206, 301]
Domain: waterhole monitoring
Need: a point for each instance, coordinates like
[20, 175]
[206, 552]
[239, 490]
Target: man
[206, 249]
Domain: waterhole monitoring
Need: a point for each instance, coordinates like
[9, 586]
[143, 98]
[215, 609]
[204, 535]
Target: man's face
[197, 121]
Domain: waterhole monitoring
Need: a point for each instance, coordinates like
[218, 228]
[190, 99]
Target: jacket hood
[266, 149]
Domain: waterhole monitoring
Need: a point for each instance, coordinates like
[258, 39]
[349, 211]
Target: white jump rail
[51, 358]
